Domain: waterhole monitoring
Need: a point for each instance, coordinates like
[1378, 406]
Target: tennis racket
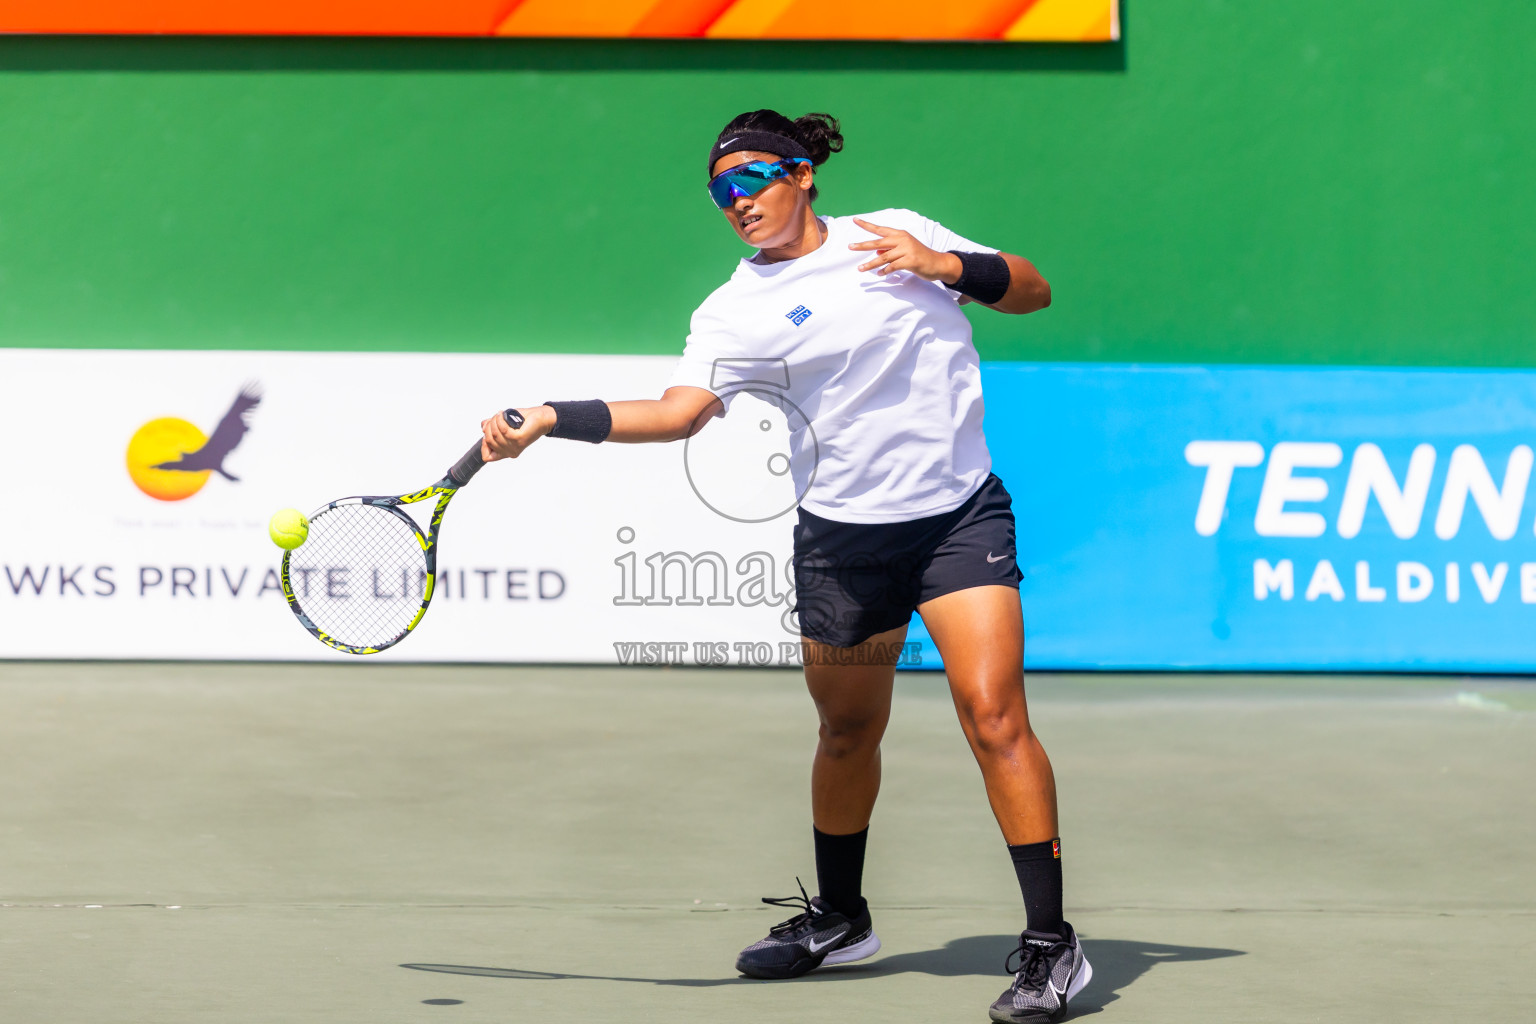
[363, 578]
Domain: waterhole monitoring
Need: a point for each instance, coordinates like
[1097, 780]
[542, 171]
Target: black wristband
[984, 276]
[582, 421]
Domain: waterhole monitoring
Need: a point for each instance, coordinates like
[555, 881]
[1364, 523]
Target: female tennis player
[902, 514]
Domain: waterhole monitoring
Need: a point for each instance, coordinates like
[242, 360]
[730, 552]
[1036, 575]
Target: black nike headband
[756, 142]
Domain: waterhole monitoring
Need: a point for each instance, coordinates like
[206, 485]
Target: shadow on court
[1117, 964]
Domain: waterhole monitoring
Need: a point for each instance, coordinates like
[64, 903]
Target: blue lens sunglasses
[748, 179]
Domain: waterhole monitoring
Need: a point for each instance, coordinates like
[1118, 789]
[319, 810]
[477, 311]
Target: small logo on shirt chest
[798, 315]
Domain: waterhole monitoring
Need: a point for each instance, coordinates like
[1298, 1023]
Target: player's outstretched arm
[680, 412]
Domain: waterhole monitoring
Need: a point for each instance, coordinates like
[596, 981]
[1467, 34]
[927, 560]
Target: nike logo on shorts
[991, 559]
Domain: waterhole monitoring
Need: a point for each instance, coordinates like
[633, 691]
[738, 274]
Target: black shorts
[854, 580]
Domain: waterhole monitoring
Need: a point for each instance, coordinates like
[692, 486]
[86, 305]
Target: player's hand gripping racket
[363, 578]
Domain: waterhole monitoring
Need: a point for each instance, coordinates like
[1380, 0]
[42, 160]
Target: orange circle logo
[159, 442]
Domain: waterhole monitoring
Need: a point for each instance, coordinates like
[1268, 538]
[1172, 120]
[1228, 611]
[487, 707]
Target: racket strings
[360, 574]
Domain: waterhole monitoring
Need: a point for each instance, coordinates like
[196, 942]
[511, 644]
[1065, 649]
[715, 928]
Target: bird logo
[169, 459]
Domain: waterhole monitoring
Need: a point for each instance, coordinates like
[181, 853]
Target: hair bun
[820, 135]
[817, 134]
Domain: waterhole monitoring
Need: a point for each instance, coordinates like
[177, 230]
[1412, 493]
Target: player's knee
[842, 737]
[997, 729]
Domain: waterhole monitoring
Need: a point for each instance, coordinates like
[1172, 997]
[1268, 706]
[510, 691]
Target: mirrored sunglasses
[748, 179]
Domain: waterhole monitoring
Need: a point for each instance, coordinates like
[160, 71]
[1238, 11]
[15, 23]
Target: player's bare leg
[980, 635]
[852, 690]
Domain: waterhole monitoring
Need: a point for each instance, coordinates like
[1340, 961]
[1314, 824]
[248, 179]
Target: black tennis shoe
[1052, 969]
[818, 936]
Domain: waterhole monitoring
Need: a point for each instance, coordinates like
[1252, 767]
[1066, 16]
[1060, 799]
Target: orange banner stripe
[896, 19]
[680, 18]
[747, 19]
[741, 19]
[1106, 28]
[1065, 21]
[574, 18]
[253, 17]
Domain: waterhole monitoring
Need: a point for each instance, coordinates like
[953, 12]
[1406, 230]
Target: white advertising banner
[142, 483]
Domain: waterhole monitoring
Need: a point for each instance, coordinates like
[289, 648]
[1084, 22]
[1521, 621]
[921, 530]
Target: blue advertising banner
[1269, 518]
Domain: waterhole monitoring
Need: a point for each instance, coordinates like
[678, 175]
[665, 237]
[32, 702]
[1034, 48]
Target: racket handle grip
[464, 470]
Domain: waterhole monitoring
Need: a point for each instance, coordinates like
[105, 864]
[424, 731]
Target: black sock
[840, 870]
[1038, 866]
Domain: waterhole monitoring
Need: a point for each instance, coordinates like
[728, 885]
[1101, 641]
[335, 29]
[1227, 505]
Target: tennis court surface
[391, 843]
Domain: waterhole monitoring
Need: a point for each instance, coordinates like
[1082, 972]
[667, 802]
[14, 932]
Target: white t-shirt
[882, 369]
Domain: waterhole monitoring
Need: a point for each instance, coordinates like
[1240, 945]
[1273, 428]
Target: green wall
[1282, 181]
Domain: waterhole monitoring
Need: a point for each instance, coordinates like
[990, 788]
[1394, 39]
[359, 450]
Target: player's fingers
[872, 243]
[499, 438]
[876, 228]
[514, 444]
[885, 257]
[888, 236]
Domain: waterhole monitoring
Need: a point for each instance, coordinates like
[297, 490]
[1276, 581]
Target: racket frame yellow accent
[443, 490]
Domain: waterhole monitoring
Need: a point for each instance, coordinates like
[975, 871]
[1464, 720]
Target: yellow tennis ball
[288, 528]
